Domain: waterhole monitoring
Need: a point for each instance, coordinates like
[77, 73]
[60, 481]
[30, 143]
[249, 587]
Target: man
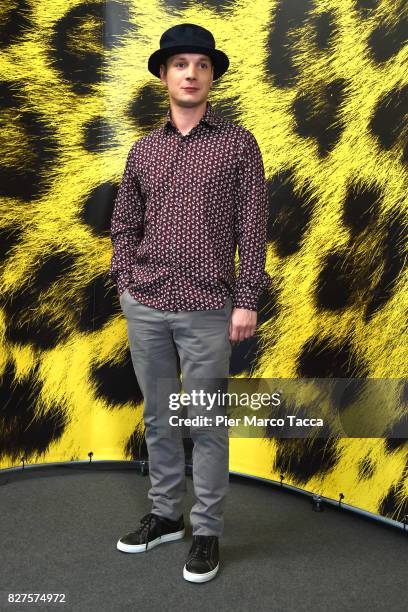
[193, 189]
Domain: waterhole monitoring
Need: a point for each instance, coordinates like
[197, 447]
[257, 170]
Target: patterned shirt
[184, 204]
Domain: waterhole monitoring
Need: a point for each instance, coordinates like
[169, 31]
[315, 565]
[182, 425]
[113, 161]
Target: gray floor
[59, 529]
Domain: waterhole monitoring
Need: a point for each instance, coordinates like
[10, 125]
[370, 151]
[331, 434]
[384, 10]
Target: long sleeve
[126, 225]
[251, 226]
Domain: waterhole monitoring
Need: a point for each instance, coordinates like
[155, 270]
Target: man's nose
[191, 72]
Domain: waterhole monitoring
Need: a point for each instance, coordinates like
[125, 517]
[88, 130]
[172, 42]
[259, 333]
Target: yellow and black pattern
[323, 85]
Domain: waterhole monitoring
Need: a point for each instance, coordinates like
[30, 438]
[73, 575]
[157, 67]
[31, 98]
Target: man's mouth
[190, 88]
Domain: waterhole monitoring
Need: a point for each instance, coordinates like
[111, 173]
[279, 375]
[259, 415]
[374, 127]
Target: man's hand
[242, 324]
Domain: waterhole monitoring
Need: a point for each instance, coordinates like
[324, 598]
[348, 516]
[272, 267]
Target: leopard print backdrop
[323, 85]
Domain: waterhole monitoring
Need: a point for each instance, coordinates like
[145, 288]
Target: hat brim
[219, 58]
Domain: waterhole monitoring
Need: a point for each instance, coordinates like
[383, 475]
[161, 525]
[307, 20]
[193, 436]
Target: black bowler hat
[188, 38]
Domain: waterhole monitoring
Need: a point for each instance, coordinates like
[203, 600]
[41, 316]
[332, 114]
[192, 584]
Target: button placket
[172, 192]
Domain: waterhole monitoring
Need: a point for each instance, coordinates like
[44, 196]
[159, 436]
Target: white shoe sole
[136, 548]
[192, 577]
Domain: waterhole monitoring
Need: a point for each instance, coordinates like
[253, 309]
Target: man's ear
[162, 74]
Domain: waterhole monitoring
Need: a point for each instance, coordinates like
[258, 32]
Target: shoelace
[201, 547]
[146, 522]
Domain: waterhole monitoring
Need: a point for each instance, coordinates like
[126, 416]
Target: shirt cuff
[245, 300]
[122, 282]
[246, 294]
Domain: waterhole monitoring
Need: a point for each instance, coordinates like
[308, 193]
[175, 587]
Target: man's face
[188, 70]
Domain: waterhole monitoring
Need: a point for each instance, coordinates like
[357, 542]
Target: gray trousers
[201, 339]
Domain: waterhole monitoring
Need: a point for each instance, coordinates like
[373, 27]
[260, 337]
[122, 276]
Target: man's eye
[182, 64]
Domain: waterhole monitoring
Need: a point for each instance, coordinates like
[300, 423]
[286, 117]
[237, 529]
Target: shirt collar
[210, 117]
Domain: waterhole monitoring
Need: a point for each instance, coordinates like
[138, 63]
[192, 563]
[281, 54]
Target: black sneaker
[153, 530]
[203, 559]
